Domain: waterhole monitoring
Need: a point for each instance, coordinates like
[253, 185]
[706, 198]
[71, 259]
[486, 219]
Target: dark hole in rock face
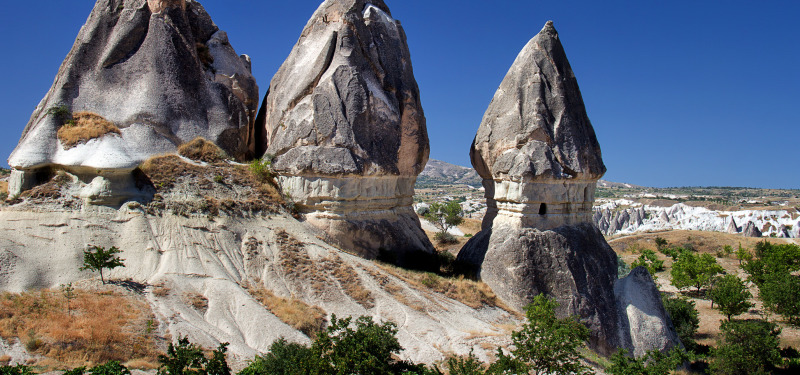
[586, 197]
[543, 209]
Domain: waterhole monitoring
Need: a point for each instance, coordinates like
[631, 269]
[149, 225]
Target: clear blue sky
[680, 92]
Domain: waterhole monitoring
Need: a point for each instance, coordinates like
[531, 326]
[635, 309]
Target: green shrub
[15, 370]
[546, 344]
[110, 368]
[262, 168]
[652, 363]
[187, 358]
[649, 260]
[445, 238]
[746, 347]
[685, 318]
[469, 365]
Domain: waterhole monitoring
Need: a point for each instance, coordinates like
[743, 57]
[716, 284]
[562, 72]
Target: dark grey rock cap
[536, 127]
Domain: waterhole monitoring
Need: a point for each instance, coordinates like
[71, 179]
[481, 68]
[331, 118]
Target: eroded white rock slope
[40, 249]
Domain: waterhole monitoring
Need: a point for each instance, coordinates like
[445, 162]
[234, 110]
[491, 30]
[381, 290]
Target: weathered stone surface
[750, 230]
[345, 125]
[574, 264]
[536, 136]
[644, 323]
[161, 71]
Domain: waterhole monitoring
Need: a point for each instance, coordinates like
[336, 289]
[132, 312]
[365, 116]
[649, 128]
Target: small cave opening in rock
[586, 197]
[543, 209]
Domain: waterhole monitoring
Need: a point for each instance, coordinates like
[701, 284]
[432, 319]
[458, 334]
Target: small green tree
[649, 260]
[694, 270]
[746, 347]
[661, 243]
[731, 295]
[97, 258]
[773, 269]
[469, 365]
[549, 345]
[654, 362]
[69, 294]
[445, 215]
[685, 318]
[188, 358]
[743, 255]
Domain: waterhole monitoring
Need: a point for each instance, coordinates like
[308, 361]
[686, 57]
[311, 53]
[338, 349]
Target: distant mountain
[438, 172]
[609, 184]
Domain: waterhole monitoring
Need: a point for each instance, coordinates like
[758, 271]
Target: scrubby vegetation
[301, 316]
[87, 327]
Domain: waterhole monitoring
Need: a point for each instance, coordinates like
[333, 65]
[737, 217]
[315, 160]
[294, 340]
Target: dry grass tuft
[101, 327]
[395, 289]
[349, 281]
[87, 126]
[301, 316]
[198, 301]
[160, 290]
[475, 294]
[200, 149]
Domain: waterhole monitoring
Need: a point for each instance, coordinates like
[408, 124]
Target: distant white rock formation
[626, 217]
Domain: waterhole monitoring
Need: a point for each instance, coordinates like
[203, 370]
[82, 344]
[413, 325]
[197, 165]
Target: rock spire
[540, 160]
[161, 73]
[344, 123]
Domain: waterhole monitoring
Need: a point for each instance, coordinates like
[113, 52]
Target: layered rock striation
[345, 126]
[540, 160]
[162, 73]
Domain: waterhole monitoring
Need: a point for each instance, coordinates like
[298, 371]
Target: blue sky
[680, 93]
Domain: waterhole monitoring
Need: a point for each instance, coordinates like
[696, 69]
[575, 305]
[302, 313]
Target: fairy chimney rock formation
[536, 149]
[540, 160]
[344, 123]
[159, 71]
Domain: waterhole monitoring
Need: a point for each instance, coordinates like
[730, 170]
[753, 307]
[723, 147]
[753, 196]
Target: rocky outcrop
[645, 323]
[795, 232]
[344, 123]
[162, 73]
[732, 227]
[536, 149]
[540, 161]
[750, 230]
[573, 264]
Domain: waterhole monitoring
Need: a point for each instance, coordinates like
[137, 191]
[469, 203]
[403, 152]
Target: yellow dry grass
[303, 317]
[350, 282]
[101, 327]
[87, 126]
[475, 294]
[201, 149]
